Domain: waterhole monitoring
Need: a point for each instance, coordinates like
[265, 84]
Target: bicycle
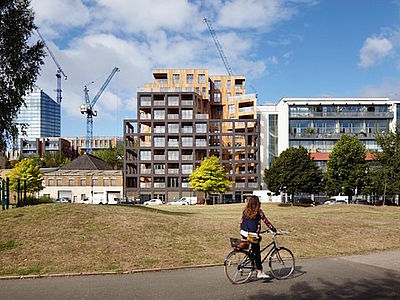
[239, 264]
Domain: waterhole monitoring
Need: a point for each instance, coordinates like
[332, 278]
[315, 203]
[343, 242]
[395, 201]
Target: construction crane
[219, 47]
[220, 50]
[87, 109]
[59, 70]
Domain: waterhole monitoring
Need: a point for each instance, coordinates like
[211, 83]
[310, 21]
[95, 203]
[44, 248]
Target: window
[83, 181]
[217, 84]
[228, 84]
[187, 169]
[217, 97]
[51, 182]
[173, 182]
[70, 182]
[173, 128]
[94, 181]
[159, 114]
[145, 155]
[187, 141]
[59, 181]
[105, 181]
[187, 114]
[231, 109]
[173, 155]
[204, 91]
[113, 182]
[202, 78]
[201, 128]
[159, 141]
[189, 78]
[175, 78]
[173, 100]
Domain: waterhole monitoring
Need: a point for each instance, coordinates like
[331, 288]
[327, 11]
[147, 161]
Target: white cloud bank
[373, 50]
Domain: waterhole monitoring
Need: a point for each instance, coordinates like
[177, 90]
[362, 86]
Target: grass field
[60, 238]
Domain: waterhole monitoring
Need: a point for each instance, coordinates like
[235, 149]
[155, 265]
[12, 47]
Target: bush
[30, 200]
[285, 204]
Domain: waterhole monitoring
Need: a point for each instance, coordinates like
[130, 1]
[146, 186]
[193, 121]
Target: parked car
[361, 201]
[331, 201]
[178, 202]
[305, 201]
[153, 202]
[63, 200]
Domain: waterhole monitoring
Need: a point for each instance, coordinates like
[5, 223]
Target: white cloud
[386, 89]
[254, 13]
[55, 16]
[373, 50]
[138, 36]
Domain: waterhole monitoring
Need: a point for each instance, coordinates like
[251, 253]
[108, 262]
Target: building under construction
[183, 117]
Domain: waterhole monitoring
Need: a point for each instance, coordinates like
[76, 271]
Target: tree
[56, 159]
[346, 168]
[27, 170]
[210, 177]
[294, 171]
[386, 179]
[112, 156]
[19, 62]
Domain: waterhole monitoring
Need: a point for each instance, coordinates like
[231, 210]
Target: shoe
[263, 276]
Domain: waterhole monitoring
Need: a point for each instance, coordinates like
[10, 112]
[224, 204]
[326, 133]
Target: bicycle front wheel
[281, 263]
[238, 266]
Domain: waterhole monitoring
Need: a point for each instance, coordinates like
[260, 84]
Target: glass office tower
[41, 115]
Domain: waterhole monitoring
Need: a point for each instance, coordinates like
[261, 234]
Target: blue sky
[297, 48]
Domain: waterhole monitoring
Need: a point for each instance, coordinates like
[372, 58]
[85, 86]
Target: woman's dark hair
[252, 207]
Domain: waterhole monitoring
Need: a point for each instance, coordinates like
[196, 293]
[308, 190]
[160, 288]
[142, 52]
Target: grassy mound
[58, 238]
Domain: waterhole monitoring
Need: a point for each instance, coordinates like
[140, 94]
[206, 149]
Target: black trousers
[257, 255]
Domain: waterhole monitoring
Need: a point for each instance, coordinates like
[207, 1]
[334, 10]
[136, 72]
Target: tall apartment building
[318, 123]
[183, 117]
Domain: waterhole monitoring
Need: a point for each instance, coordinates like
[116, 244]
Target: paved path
[374, 276]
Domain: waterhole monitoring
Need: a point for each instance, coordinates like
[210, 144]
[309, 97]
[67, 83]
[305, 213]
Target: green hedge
[30, 200]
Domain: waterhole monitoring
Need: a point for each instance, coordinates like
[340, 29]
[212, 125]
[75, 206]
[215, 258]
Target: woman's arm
[268, 223]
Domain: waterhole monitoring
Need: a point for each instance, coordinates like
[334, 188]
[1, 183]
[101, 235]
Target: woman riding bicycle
[250, 226]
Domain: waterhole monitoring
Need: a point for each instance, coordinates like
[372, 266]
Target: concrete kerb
[107, 273]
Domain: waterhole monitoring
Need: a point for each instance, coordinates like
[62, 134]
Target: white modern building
[318, 123]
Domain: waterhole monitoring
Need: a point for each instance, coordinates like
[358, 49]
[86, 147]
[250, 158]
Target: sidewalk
[386, 259]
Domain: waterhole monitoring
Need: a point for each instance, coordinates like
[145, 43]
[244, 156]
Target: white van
[339, 199]
[101, 198]
[189, 200]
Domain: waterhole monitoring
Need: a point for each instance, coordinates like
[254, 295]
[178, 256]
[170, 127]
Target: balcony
[243, 97]
[187, 130]
[173, 117]
[161, 81]
[173, 102]
[187, 157]
[159, 184]
[145, 116]
[159, 144]
[240, 184]
[187, 171]
[159, 157]
[343, 115]
[159, 171]
[173, 171]
[201, 144]
[173, 143]
[145, 144]
[145, 185]
[187, 102]
[185, 185]
[145, 171]
[159, 102]
[187, 144]
[239, 86]
[201, 116]
[253, 185]
[249, 109]
[145, 102]
[159, 129]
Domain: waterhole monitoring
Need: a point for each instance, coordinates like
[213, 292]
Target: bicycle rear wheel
[282, 263]
[238, 266]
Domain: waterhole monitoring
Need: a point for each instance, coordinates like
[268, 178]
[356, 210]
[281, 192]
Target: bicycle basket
[238, 243]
